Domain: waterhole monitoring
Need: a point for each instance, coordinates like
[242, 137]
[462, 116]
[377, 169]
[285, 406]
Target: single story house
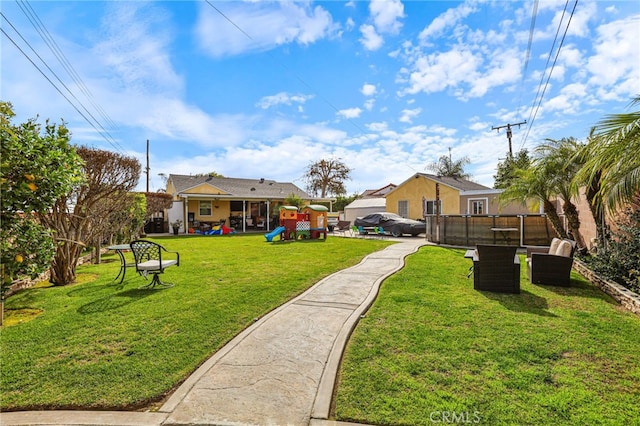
[419, 195]
[243, 204]
[378, 193]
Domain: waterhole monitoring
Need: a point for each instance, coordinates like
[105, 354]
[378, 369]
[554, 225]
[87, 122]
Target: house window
[430, 207]
[205, 208]
[478, 206]
[403, 208]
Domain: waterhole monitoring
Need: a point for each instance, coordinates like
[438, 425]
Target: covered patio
[246, 205]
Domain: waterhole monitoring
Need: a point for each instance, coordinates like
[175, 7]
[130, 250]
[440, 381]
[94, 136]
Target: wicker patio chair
[551, 265]
[496, 268]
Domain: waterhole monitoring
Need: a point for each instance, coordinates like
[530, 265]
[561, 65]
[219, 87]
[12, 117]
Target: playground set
[311, 223]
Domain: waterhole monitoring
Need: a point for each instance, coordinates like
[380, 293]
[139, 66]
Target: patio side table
[470, 254]
[120, 249]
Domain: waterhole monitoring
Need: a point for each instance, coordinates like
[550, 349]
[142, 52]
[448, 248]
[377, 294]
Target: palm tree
[560, 160]
[448, 168]
[592, 187]
[532, 183]
[615, 153]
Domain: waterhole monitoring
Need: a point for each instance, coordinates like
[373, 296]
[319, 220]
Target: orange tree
[38, 166]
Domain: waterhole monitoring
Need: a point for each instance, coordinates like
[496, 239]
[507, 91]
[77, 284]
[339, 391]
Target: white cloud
[368, 89]
[614, 67]
[350, 24]
[503, 68]
[350, 112]
[282, 98]
[438, 71]
[369, 103]
[371, 40]
[171, 118]
[445, 21]
[386, 15]
[135, 48]
[408, 115]
[258, 26]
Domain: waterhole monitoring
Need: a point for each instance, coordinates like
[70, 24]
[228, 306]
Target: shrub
[620, 260]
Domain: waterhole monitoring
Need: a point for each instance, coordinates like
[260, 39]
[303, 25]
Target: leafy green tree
[614, 154]
[446, 167]
[38, 165]
[343, 201]
[210, 174]
[84, 216]
[327, 177]
[506, 170]
[294, 200]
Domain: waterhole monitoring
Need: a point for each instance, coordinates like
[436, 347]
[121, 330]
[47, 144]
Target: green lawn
[433, 349]
[98, 344]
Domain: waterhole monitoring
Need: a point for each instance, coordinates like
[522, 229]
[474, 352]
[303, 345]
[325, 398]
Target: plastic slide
[279, 230]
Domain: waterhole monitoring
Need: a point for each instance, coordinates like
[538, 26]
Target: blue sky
[261, 89]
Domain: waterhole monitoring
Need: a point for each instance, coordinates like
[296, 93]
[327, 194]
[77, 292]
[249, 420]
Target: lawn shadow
[579, 288]
[114, 301]
[524, 302]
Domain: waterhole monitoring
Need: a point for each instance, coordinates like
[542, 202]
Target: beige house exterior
[201, 202]
[421, 193]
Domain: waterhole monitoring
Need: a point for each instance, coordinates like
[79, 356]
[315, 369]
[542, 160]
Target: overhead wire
[37, 23]
[104, 133]
[285, 67]
[534, 14]
[534, 111]
[55, 87]
[41, 29]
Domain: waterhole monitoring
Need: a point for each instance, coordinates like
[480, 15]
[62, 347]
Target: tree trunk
[596, 210]
[552, 215]
[63, 266]
[573, 221]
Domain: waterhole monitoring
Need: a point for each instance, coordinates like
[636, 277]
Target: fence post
[521, 230]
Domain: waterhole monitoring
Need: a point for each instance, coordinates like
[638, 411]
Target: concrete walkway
[279, 371]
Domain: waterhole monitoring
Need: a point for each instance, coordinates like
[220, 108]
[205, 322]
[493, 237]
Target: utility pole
[147, 168]
[508, 126]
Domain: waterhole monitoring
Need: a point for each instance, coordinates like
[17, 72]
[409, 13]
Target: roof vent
[261, 180]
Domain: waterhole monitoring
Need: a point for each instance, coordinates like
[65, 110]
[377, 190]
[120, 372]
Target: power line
[534, 14]
[37, 23]
[534, 113]
[285, 67]
[101, 131]
[56, 87]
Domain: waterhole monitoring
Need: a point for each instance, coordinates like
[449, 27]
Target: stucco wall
[418, 187]
[494, 207]
[205, 188]
[219, 210]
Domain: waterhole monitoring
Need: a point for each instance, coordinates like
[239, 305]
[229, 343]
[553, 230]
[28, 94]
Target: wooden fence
[468, 231]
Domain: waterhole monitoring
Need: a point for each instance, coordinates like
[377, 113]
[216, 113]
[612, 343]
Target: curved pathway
[279, 371]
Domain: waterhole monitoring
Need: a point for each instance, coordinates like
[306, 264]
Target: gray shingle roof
[461, 184]
[240, 188]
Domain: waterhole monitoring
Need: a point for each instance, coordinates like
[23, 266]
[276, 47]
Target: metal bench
[149, 260]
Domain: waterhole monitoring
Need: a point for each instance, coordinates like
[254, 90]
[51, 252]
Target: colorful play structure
[218, 230]
[310, 223]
